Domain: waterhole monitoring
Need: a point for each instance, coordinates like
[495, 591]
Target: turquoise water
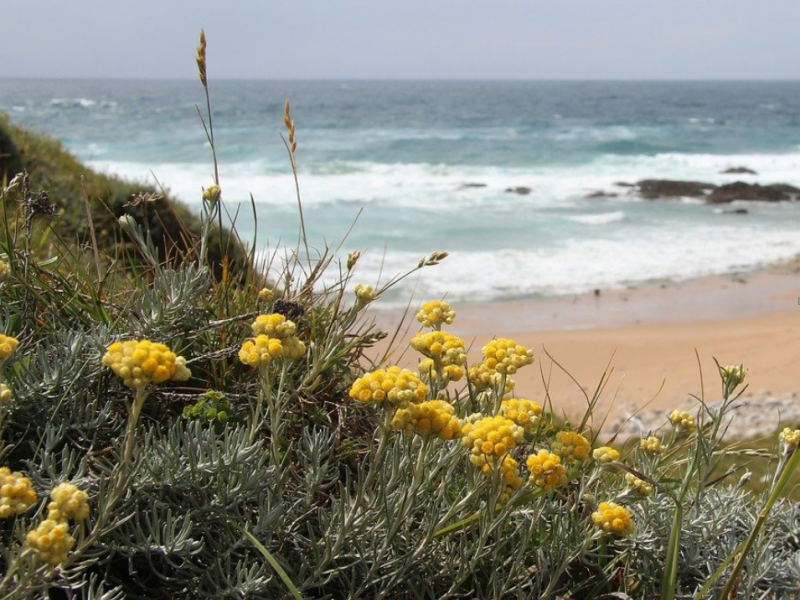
[398, 156]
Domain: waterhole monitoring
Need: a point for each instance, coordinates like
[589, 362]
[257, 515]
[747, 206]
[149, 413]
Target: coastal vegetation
[171, 428]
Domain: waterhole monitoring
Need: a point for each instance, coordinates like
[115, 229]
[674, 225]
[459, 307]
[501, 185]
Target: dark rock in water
[522, 191]
[624, 184]
[600, 194]
[778, 192]
[652, 189]
[738, 171]
[736, 211]
[466, 186]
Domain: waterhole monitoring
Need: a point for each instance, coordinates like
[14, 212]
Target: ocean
[408, 168]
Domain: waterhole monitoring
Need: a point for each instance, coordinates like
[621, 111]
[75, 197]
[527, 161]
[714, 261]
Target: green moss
[173, 227]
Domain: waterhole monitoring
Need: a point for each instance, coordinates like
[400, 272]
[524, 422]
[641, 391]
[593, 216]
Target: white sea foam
[416, 184]
[599, 219]
[583, 265]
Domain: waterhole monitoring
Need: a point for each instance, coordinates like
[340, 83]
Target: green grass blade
[670, 578]
[274, 563]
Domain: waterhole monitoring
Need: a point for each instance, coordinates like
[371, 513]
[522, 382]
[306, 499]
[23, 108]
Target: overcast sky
[404, 39]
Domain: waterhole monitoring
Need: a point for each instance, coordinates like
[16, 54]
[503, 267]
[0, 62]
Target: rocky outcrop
[653, 189]
[600, 194]
[779, 192]
[738, 171]
[521, 190]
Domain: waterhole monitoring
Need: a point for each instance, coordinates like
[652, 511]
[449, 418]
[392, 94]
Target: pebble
[748, 417]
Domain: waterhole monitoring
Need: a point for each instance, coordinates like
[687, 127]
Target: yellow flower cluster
[651, 444]
[69, 502]
[571, 445]
[509, 476]
[212, 193]
[732, 375]
[365, 293]
[546, 469]
[5, 394]
[51, 540]
[640, 485]
[274, 338]
[435, 314]
[445, 352]
[682, 419]
[506, 356]
[266, 295]
[605, 454]
[524, 413]
[613, 518]
[274, 325]
[448, 373]
[140, 363]
[395, 385]
[490, 438]
[483, 378]
[16, 495]
[435, 418]
[790, 437]
[7, 346]
[262, 350]
[4, 269]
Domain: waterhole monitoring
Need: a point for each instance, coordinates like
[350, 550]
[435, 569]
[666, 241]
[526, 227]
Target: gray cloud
[462, 39]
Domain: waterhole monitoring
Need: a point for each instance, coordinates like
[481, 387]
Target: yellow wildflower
[262, 350]
[352, 259]
[612, 518]
[4, 269]
[482, 378]
[524, 413]
[52, 541]
[640, 485]
[16, 495]
[571, 445]
[5, 394]
[435, 418]
[395, 385]
[444, 350]
[605, 454]
[506, 356]
[651, 444]
[546, 469]
[69, 502]
[435, 313]
[682, 419]
[274, 325]
[140, 363]
[508, 468]
[732, 376]
[448, 373]
[490, 438]
[266, 295]
[212, 193]
[7, 346]
[365, 293]
[790, 439]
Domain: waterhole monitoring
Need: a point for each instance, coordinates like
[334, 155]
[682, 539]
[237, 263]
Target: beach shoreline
[650, 337]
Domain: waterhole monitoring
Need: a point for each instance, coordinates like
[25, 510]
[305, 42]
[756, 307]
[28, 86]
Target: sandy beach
[649, 336]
